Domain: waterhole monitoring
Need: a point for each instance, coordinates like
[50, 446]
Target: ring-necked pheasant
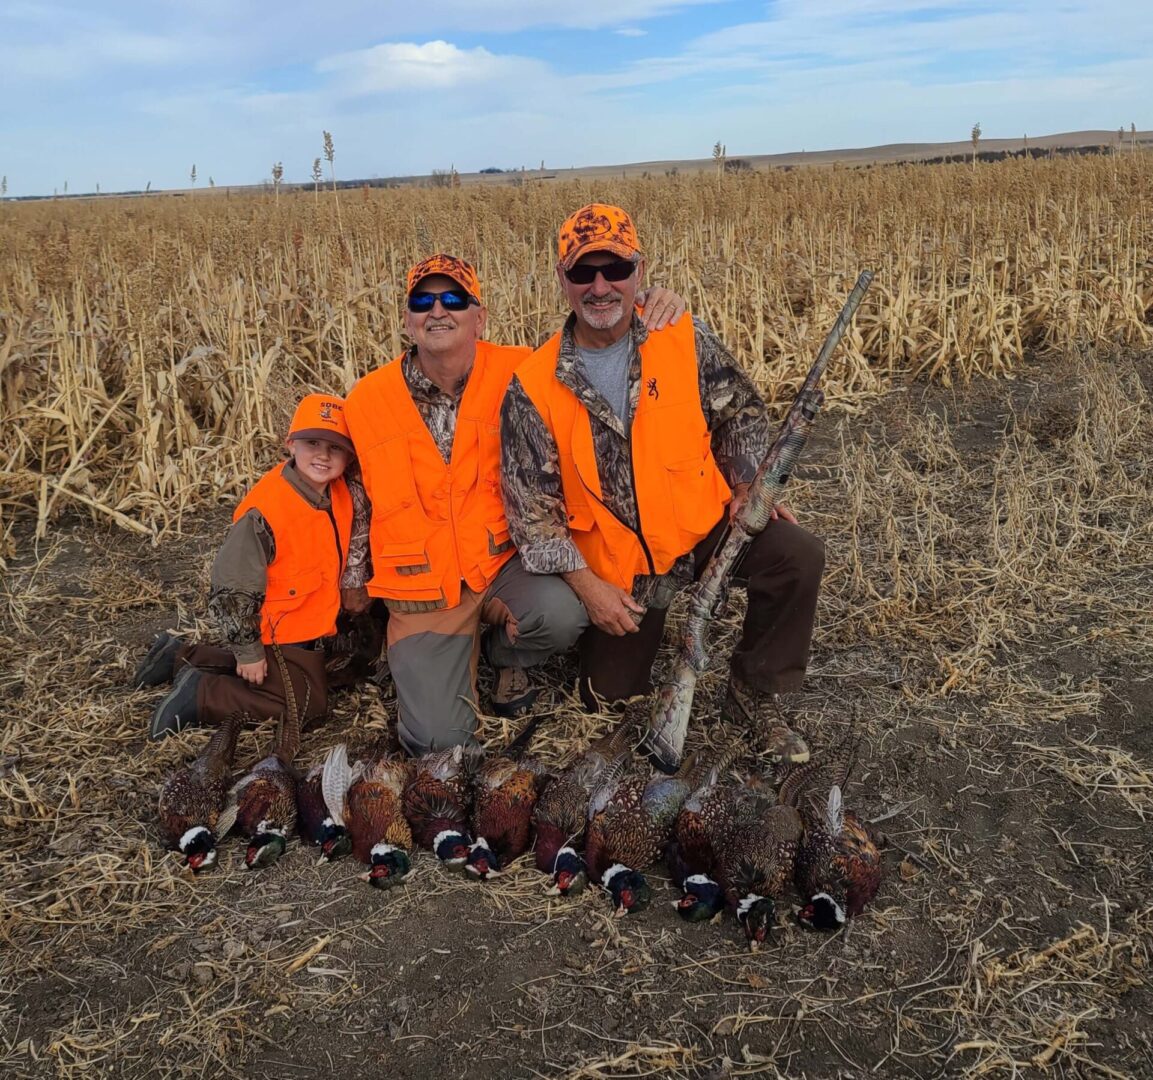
[754, 867]
[505, 792]
[562, 812]
[266, 796]
[194, 809]
[838, 869]
[436, 803]
[630, 825]
[367, 801]
[701, 830]
[315, 823]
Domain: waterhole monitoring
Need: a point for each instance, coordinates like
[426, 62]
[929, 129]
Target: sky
[123, 93]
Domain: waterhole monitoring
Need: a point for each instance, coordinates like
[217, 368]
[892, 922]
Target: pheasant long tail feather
[335, 781]
[227, 816]
[288, 735]
[796, 781]
[835, 812]
[519, 745]
[222, 745]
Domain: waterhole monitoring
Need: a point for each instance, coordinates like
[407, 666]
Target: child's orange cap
[449, 266]
[597, 227]
[321, 416]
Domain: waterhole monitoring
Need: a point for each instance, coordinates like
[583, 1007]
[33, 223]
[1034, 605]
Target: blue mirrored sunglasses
[450, 300]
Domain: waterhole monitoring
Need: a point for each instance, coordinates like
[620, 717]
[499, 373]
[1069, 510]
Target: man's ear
[481, 321]
[641, 274]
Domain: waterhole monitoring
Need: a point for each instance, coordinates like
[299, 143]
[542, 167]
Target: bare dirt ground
[986, 616]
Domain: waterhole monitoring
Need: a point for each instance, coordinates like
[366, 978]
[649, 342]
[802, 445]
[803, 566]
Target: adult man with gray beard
[624, 451]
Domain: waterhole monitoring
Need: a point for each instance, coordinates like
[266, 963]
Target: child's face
[318, 461]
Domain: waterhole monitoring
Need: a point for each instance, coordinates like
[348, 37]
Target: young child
[276, 579]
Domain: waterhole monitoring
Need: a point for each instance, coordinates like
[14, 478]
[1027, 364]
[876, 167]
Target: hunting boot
[513, 696]
[743, 706]
[159, 662]
[178, 709]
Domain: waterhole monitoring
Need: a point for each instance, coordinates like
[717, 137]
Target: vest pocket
[406, 558]
[696, 494]
[287, 594]
[499, 540]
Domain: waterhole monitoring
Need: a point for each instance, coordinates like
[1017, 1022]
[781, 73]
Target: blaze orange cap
[597, 227]
[321, 416]
[450, 266]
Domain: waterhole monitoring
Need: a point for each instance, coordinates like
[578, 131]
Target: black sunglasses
[450, 300]
[586, 273]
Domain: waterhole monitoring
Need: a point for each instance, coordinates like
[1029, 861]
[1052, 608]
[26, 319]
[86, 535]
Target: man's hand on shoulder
[609, 607]
[660, 307]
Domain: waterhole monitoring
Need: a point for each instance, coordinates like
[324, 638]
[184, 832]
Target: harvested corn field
[982, 483]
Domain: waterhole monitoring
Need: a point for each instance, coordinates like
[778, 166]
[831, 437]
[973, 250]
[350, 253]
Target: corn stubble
[986, 614]
[153, 347]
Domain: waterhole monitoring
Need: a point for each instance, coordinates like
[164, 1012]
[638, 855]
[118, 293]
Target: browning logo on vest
[680, 492]
[433, 524]
[302, 597]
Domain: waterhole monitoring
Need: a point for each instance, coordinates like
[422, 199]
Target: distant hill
[890, 153]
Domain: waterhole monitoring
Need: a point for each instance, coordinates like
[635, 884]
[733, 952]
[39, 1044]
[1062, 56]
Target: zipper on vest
[636, 497]
[336, 535]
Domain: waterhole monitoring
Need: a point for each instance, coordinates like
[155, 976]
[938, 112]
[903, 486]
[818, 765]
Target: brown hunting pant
[782, 572]
[221, 691]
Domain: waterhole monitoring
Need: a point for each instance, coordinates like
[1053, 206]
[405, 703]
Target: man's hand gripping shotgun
[665, 739]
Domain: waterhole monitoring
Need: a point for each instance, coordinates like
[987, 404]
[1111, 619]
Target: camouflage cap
[596, 227]
[448, 266]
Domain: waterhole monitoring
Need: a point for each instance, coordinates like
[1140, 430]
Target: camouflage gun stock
[665, 738]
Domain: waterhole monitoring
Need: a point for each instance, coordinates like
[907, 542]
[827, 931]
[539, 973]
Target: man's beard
[606, 317]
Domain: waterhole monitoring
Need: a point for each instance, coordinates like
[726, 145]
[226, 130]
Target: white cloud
[407, 66]
[631, 31]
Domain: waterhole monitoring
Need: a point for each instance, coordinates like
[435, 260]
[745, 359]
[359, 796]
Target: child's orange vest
[680, 492]
[302, 597]
[434, 525]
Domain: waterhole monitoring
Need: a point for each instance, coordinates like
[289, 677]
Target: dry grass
[986, 616]
[151, 348]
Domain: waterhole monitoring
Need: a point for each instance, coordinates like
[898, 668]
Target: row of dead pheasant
[728, 842]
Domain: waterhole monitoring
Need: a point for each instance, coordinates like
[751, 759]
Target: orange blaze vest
[680, 492]
[302, 597]
[433, 525]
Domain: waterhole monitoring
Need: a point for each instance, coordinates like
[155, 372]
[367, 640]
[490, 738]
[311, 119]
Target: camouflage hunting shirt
[530, 464]
[240, 571]
[438, 410]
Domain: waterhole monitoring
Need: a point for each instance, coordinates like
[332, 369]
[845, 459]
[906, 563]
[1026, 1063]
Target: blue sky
[123, 92]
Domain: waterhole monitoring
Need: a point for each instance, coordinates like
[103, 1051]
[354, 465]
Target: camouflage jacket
[240, 570]
[438, 409]
[530, 465]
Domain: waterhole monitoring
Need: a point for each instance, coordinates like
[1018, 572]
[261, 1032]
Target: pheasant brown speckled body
[193, 799]
[375, 813]
[436, 803]
[311, 811]
[631, 828]
[505, 794]
[561, 814]
[838, 869]
[755, 865]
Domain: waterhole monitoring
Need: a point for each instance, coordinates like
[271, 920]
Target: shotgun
[665, 739]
